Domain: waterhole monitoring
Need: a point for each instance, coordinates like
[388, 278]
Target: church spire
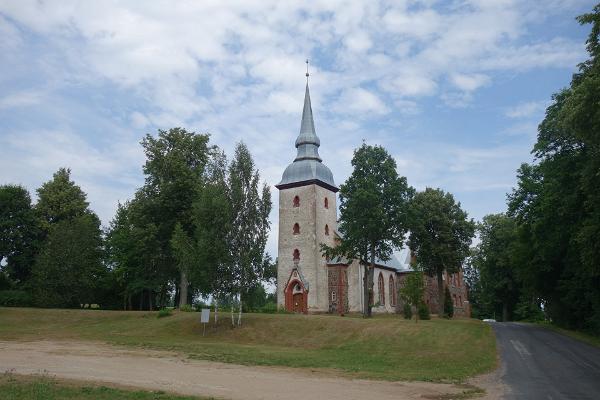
[307, 142]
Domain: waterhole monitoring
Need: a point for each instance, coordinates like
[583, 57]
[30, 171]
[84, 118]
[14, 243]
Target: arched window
[296, 229]
[381, 288]
[326, 230]
[392, 292]
[296, 201]
[454, 300]
[460, 303]
[326, 202]
[296, 255]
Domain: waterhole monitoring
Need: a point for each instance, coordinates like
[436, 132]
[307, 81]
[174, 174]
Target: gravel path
[157, 370]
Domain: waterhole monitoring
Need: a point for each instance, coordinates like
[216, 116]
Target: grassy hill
[385, 347]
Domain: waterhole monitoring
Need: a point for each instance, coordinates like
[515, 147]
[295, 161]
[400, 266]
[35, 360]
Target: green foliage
[413, 289]
[556, 203]
[268, 308]
[166, 312]
[19, 231]
[60, 199]
[187, 308]
[440, 234]
[69, 265]
[407, 311]
[15, 298]
[373, 211]
[423, 311]
[448, 304]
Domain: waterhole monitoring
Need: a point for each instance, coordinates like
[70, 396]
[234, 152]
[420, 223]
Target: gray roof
[308, 165]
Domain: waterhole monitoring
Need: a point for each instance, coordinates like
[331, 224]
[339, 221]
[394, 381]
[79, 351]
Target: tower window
[326, 230]
[296, 229]
[296, 201]
[296, 255]
[326, 202]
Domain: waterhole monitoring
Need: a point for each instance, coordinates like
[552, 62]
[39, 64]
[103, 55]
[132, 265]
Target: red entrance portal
[296, 296]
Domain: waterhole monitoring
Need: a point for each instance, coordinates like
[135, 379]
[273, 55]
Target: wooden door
[298, 302]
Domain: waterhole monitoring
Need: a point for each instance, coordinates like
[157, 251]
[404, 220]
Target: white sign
[205, 316]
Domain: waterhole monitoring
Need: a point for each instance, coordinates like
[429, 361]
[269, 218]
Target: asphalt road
[540, 364]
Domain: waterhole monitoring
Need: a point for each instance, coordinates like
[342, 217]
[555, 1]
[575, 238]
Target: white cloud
[469, 83]
[527, 109]
[359, 102]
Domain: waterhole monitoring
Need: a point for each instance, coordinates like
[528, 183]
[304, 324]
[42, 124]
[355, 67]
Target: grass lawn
[581, 336]
[384, 347]
[16, 387]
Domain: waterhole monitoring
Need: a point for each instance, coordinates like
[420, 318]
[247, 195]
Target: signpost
[204, 318]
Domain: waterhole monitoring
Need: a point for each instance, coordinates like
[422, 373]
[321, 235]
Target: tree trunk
[366, 290]
[216, 310]
[150, 292]
[240, 313]
[129, 306]
[232, 318]
[441, 292]
[183, 289]
[142, 300]
[504, 311]
[371, 279]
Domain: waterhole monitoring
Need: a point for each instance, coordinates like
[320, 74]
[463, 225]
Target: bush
[268, 308]
[186, 308]
[163, 312]
[407, 311]
[448, 304]
[423, 311]
[15, 298]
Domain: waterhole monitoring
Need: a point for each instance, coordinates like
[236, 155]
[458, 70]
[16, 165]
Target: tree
[440, 235]
[249, 224]
[18, 232]
[174, 168]
[60, 199]
[413, 289]
[373, 213]
[448, 304]
[69, 265]
[497, 263]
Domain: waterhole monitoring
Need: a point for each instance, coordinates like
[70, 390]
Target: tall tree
[250, 208]
[440, 235]
[497, 263]
[69, 265]
[60, 199]
[373, 213]
[413, 289]
[18, 232]
[175, 163]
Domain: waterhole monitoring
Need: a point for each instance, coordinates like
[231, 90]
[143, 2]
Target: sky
[454, 90]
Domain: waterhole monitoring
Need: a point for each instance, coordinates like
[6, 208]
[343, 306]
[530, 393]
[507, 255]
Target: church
[306, 281]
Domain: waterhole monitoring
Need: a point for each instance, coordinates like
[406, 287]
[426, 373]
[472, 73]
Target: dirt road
[156, 370]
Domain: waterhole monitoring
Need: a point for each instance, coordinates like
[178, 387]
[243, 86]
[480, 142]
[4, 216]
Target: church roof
[308, 166]
[392, 263]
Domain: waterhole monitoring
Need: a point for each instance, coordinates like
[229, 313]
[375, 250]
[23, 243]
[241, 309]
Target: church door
[298, 302]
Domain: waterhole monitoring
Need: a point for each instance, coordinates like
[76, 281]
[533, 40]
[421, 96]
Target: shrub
[186, 308]
[423, 311]
[15, 298]
[448, 304]
[163, 312]
[407, 311]
[268, 308]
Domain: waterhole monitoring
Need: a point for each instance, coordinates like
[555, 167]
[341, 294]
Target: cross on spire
[307, 74]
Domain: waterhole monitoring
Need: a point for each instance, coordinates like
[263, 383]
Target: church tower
[307, 218]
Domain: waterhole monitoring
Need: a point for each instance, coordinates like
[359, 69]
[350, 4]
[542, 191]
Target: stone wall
[311, 216]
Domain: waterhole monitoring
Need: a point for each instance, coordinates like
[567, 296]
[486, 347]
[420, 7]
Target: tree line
[198, 226]
[541, 259]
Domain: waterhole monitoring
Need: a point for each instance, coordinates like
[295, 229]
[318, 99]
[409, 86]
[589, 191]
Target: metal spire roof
[307, 166]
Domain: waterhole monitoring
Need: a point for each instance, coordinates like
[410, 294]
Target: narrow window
[296, 201]
[326, 230]
[392, 292]
[460, 304]
[381, 288]
[326, 202]
[296, 255]
[333, 296]
[296, 229]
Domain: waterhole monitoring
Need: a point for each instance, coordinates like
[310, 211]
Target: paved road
[540, 364]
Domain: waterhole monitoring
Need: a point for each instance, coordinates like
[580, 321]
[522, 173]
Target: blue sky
[454, 90]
